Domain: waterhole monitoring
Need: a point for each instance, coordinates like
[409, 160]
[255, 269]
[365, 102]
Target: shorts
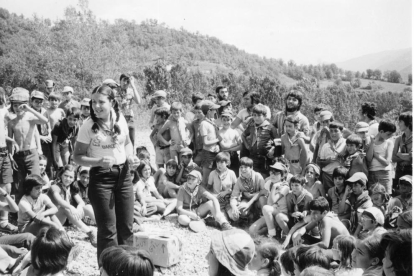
[6, 170]
[162, 155]
[208, 159]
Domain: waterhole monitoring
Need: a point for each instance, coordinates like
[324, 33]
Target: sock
[272, 232]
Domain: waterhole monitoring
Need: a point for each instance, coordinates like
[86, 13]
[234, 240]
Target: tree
[357, 74]
[363, 75]
[377, 74]
[386, 75]
[395, 77]
[369, 73]
[349, 76]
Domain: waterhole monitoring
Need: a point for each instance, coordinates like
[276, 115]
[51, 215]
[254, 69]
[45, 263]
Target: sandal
[9, 229]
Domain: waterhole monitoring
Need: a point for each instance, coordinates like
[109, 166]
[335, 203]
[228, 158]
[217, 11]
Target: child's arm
[325, 234]
[40, 118]
[10, 205]
[161, 131]
[236, 123]
[80, 203]
[136, 95]
[55, 161]
[303, 154]
[66, 205]
[370, 152]
[180, 174]
[215, 202]
[357, 231]
[322, 190]
[342, 204]
[153, 136]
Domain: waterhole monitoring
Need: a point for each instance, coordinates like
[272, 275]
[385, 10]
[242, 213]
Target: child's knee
[267, 209]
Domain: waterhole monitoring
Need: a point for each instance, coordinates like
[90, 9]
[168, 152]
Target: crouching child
[195, 202]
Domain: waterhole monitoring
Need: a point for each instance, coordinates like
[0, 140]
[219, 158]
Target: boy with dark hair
[186, 166]
[162, 151]
[195, 98]
[222, 93]
[195, 129]
[379, 156]
[355, 160]
[179, 130]
[356, 197]
[293, 146]
[336, 193]
[327, 222]
[211, 139]
[328, 158]
[22, 129]
[244, 200]
[307, 256]
[55, 113]
[367, 114]
[403, 147]
[261, 132]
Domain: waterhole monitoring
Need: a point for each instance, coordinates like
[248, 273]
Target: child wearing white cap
[160, 97]
[68, 103]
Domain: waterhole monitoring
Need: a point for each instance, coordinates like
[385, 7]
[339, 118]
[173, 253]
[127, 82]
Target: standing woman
[103, 143]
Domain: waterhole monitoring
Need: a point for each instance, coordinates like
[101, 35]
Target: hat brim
[36, 97]
[223, 256]
[215, 106]
[363, 129]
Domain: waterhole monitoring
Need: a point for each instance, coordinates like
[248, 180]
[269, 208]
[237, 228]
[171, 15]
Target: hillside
[400, 60]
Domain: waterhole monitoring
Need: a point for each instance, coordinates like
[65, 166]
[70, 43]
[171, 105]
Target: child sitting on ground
[371, 223]
[162, 151]
[126, 260]
[42, 168]
[265, 260]
[63, 194]
[81, 185]
[64, 136]
[194, 202]
[221, 182]
[165, 180]
[276, 188]
[231, 142]
[342, 248]
[313, 185]
[36, 210]
[245, 196]
[336, 193]
[186, 166]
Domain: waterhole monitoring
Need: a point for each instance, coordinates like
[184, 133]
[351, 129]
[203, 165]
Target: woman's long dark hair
[109, 92]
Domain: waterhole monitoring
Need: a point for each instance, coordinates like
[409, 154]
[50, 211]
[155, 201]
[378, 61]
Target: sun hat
[196, 174]
[358, 176]
[19, 95]
[227, 114]
[49, 83]
[85, 102]
[361, 127]
[110, 81]
[186, 151]
[325, 115]
[208, 105]
[234, 249]
[375, 213]
[279, 166]
[407, 178]
[38, 95]
[67, 89]
[314, 167]
[159, 93]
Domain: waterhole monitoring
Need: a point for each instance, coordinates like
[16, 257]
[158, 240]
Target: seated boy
[231, 142]
[187, 165]
[162, 151]
[355, 160]
[356, 197]
[221, 182]
[196, 202]
[336, 193]
[261, 133]
[297, 202]
[328, 158]
[179, 131]
[276, 188]
[165, 180]
[327, 222]
[245, 196]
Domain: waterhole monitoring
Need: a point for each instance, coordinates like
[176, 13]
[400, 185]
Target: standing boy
[162, 150]
[68, 103]
[231, 142]
[195, 129]
[160, 97]
[22, 129]
[211, 138]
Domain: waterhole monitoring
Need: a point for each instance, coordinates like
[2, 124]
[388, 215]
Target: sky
[306, 31]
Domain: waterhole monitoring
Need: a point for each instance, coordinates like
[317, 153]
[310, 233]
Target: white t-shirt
[207, 129]
[328, 151]
[27, 203]
[101, 145]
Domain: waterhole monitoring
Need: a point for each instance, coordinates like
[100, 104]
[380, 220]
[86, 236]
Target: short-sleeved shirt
[66, 105]
[27, 203]
[256, 186]
[101, 144]
[209, 130]
[282, 188]
[225, 184]
[302, 206]
[331, 150]
[245, 116]
[145, 188]
[278, 122]
[63, 132]
[198, 199]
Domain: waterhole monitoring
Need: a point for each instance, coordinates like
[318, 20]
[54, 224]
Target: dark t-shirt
[63, 131]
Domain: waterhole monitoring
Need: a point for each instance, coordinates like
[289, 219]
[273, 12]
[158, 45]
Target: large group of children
[335, 201]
